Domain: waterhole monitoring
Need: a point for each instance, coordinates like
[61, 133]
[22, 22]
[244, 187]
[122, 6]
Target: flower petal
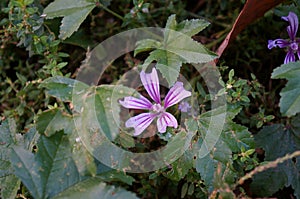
[290, 57]
[136, 103]
[140, 122]
[176, 94]
[164, 120]
[292, 29]
[184, 107]
[281, 43]
[151, 84]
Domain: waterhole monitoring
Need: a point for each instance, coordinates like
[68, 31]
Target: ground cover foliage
[43, 44]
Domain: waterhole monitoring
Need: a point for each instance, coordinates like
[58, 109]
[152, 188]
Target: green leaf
[9, 186]
[146, 45]
[184, 190]
[188, 49]
[176, 48]
[237, 137]
[290, 95]
[207, 166]
[65, 89]
[71, 23]
[116, 176]
[7, 140]
[51, 121]
[5, 166]
[176, 145]
[233, 138]
[180, 168]
[94, 188]
[50, 171]
[171, 22]
[276, 177]
[105, 2]
[28, 2]
[62, 87]
[192, 27]
[8, 132]
[73, 13]
[104, 102]
[167, 63]
[126, 140]
[277, 141]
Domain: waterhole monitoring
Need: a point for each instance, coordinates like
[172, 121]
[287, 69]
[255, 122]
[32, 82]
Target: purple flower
[157, 109]
[291, 44]
[184, 107]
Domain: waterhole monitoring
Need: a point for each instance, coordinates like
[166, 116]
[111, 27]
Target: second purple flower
[291, 44]
[157, 109]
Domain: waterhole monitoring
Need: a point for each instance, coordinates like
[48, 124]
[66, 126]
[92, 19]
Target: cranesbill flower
[157, 109]
[292, 44]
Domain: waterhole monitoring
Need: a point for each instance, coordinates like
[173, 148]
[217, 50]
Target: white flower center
[294, 46]
[157, 108]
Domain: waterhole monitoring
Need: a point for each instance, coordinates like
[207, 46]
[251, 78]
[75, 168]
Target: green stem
[111, 12]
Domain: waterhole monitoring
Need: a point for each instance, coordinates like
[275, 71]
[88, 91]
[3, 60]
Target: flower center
[157, 108]
[294, 46]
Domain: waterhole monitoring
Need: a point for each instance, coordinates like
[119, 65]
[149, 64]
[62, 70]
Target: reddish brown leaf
[252, 10]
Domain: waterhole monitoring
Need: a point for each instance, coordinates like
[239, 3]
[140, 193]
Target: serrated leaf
[9, 186]
[192, 27]
[211, 125]
[108, 107]
[51, 121]
[126, 140]
[188, 49]
[180, 167]
[167, 63]
[74, 13]
[237, 136]
[7, 140]
[116, 176]
[290, 95]
[277, 141]
[25, 169]
[62, 87]
[7, 132]
[146, 45]
[71, 22]
[170, 25]
[65, 89]
[231, 140]
[171, 22]
[5, 166]
[207, 166]
[61, 8]
[100, 111]
[48, 172]
[177, 145]
[9, 183]
[94, 188]
[176, 48]
[275, 177]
